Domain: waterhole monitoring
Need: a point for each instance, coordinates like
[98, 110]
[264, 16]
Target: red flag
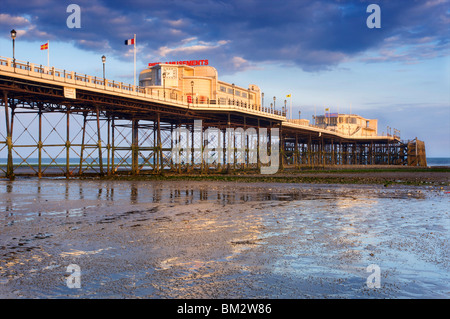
[44, 46]
[129, 42]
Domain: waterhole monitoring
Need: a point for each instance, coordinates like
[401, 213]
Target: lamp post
[232, 85]
[13, 37]
[274, 98]
[164, 85]
[192, 93]
[104, 60]
[262, 96]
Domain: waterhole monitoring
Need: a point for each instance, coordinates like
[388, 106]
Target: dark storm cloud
[313, 35]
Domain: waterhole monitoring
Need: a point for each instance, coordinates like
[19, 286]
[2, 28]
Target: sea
[438, 161]
[431, 161]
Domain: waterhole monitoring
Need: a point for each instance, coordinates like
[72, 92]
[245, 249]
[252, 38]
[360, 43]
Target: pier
[55, 122]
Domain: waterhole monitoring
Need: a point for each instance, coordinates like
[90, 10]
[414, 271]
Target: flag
[288, 95]
[327, 109]
[129, 42]
[44, 46]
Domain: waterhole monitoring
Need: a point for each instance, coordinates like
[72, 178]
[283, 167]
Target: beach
[239, 237]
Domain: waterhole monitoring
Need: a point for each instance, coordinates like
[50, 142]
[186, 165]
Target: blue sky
[321, 52]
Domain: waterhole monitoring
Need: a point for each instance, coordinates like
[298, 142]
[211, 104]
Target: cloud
[7, 20]
[189, 47]
[312, 35]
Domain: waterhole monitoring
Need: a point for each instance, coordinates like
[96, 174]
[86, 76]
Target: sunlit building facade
[348, 124]
[197, 84]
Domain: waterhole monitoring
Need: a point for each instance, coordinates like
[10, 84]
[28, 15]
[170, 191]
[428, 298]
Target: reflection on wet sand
[180, 193]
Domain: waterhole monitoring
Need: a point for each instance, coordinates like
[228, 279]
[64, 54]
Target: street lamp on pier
[164, 85]
[104, 61]
[13, 37]
[232, 85]
[274, 98]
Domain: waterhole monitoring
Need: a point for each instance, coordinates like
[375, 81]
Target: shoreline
[426, 176]
[439, 176]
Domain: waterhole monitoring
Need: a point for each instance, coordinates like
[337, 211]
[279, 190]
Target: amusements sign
[189, 63]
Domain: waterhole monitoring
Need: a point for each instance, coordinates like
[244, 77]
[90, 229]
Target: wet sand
[214, 239]
[420, 177]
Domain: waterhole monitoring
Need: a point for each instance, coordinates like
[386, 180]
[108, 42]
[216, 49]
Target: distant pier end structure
[57, 122]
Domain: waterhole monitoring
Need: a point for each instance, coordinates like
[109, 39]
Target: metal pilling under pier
[47, 131]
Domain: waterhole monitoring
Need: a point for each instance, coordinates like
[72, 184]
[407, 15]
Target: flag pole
[48, 54]
[290, 115]
[135, 60]
[315, 114]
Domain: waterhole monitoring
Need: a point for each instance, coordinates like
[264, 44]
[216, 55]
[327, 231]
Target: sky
[321, 52]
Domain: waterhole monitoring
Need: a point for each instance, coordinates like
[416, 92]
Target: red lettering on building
[189, 63]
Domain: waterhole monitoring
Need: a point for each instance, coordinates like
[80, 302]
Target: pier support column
[113, 127]
[192, 147]
[321, 153]
[135, 147]
[388, 150]
[172, 166]
[82, 142]
[99, 143]
[228, 148]
[258, 161]
[40, 141]
[160, 161]
[296, 153]
[309, 150]
[281, 147]
[178, 165]
[224, 150]
[9, 165]
[108, 148]
[202, 144]
[245, 147]
[67, 143]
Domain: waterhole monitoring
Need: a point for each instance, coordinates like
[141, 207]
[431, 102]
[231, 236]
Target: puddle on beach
[141, 239]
